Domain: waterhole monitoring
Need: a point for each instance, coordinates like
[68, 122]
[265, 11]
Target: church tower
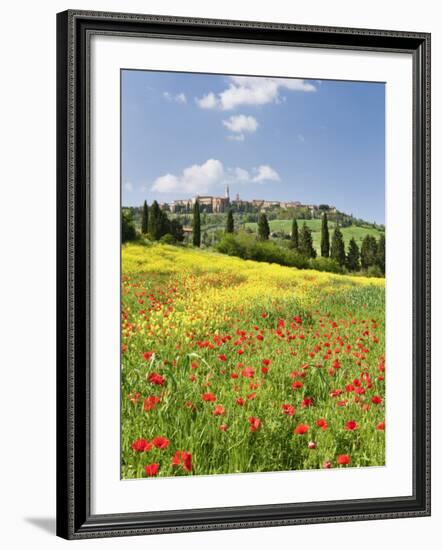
[227, 193]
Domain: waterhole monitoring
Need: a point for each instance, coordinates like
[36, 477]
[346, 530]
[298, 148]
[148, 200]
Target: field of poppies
[235, 366]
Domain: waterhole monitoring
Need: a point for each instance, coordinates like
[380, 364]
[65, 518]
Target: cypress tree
[263, 227]
[337, 251]
[353, 256]
[380, 255]
[306, 242]
[294, 239]
[325, 237]
[196, 225]
[230, 227]
[369, 249]
[154, 222]
[145, 219]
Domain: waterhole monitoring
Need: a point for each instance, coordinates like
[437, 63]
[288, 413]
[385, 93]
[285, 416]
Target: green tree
[380, 255]
[145, 219]
[230, 226]
[128, 232]
[176, 230]
[325, 237]
[263, 227]
[337, 251]
[353, 256]
[196, 224]
[294, 238]
[369, 250]
[306, 242]
[154, 222]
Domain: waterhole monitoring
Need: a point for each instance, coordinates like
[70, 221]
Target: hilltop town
[214, 205]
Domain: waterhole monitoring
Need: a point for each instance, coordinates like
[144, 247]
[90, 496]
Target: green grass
[208, 323]
[358, 233]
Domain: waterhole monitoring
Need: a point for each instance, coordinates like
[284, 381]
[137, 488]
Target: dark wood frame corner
[74, 519]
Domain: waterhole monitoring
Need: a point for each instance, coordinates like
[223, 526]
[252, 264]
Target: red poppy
[376, 400]
[141, 445]
[297, 384]
[301, 429]
[351, 425]
[264, 370]
[240, 401]
[248, 372]
[222, 357]
[255, 423]
[184, 459]
[306, 402]
[322, 423]
[266, 362]
[151, 469]
[223, 427]
[157, 379]
[147, 355]
[327, 464]
[343, 459]
[251, 396]
[288, 409]
[209, 396]
[219, 410]
[380, 426]
[150, 402]
[160, 442]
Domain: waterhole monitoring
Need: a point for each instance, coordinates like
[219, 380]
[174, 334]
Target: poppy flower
[380, 426]
[327, 464]
[222, 357]
[266, 362]
[264, 370]
[141, 445]
[209, 396]
[151, 469]
[288, 409]
[297, 384]
[321, 423]
[223, 427]
[184, 459]
[157, 379]
[147, 355]
[219, 410]
[351, 425]
[306, 402]
[301, 429]
[255, 423]
[311, 445]
[150, 402]
[160, 442]
[248, 372]
[376, 400]
[240, 401]
[343, 459]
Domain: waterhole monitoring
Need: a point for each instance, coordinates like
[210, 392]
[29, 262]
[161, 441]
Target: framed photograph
[243, 274]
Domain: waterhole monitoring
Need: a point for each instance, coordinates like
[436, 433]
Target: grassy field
[235, 366]
[315, 225]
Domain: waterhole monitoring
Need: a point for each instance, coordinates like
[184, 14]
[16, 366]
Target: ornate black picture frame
[74, 31]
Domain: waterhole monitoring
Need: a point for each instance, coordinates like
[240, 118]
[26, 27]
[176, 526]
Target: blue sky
[313, 141]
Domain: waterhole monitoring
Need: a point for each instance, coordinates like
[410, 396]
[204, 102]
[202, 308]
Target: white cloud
[249, 90]
[200, 179]
[178, 98]
[241, 123]
[128, 186]
[196, 179]
[265, 173]
[260, 174]
[208, 101]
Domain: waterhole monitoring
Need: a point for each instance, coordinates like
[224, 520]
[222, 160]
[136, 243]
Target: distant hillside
[315, 225]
